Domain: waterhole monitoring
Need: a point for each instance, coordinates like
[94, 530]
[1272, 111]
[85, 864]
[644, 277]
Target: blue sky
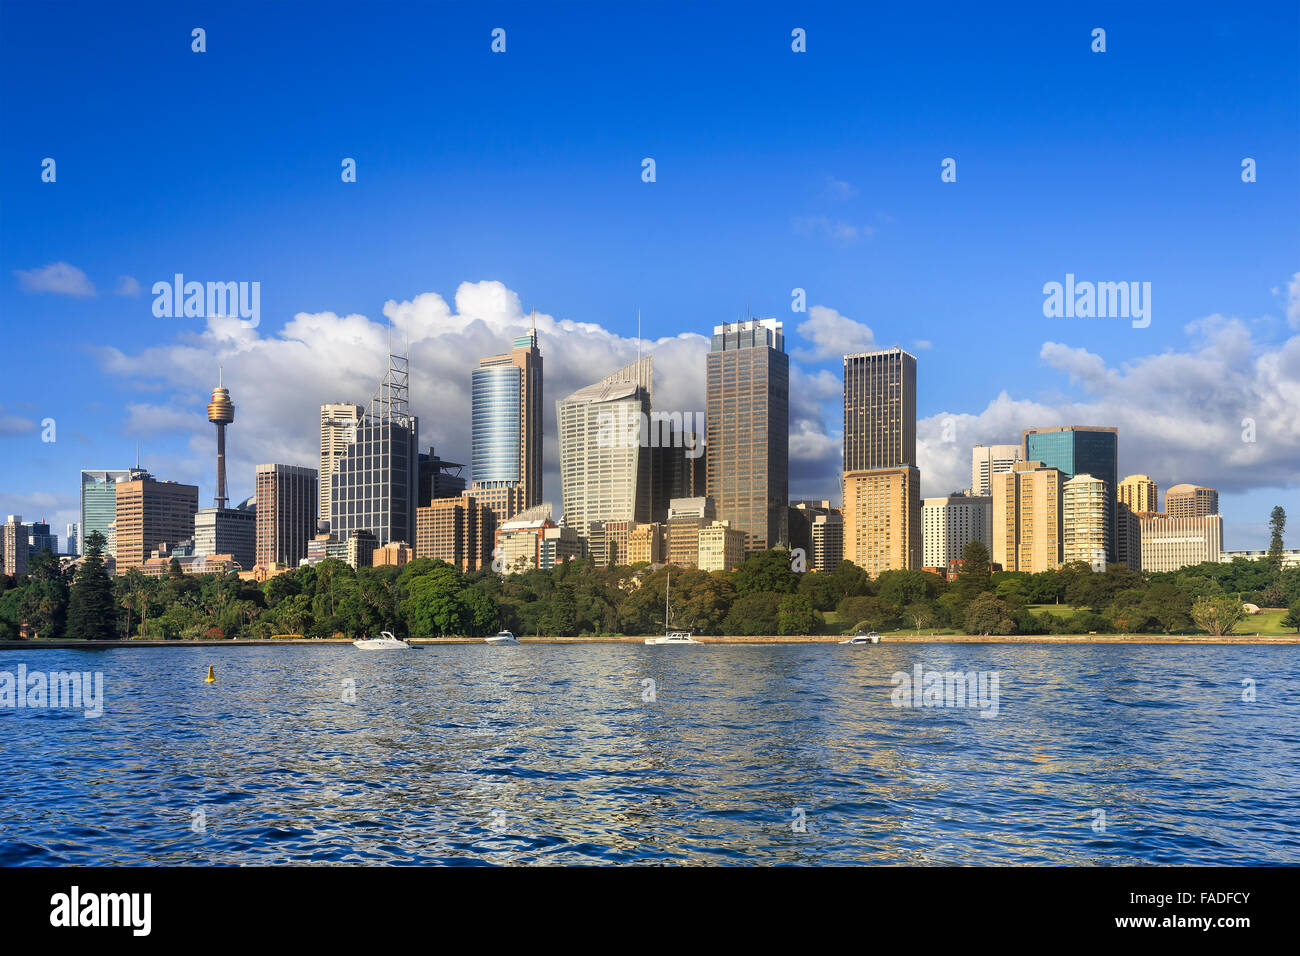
[775, 170]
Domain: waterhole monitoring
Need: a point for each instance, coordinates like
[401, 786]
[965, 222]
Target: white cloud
[127, 285]
[832, 335]
[14, 424]
[836, 229]
[59, 278]
[839, 189]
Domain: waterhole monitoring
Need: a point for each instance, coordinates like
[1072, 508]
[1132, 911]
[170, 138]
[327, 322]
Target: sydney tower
[221, 412]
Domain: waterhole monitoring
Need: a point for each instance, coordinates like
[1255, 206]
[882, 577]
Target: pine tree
[92, 614]
[1277, 529]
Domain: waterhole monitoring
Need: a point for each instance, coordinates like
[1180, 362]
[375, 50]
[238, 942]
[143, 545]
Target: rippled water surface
[549, 754]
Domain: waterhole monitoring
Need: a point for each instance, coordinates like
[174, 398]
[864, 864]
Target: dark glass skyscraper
[506, 421]
[375, 482]
[1080, 450]
[747, 427]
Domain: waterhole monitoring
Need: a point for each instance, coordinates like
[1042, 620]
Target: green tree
[988, 615]
[91, 611]
[765, 571]
[1292, 617]
[433, 606]
[1218, 615]
[754, 614]
[44, 603]
[1277, 531]
[973, 576]
[795, 615]
[918, 615]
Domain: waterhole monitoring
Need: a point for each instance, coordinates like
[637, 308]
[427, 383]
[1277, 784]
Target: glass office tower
[1080, 450]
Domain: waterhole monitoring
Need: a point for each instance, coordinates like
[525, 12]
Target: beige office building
[827, 533]
[13, 546]
[151, 513]
[1128, 535]
[1170, 543]
[882, 519]
[686, 517]
[1085, 528]
[338, 427]
[721, 547]
[287, 498]
[1191, 501]
[604, 468]
[1027, 517]
[645, 542]
[987, 461]
[1140, 493]
[460, 531]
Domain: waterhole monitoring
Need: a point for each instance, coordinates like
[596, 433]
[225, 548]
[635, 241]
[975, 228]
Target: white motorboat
[384, 642]
[502, 637]
[860, 638]
[673, 637]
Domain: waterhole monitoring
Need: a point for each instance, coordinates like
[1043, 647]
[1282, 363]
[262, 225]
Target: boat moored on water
[673, 637]
[384, 642]
[502, 637]
[860, 638]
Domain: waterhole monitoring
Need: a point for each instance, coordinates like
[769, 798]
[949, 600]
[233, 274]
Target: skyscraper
[1085, 525]
[375, 481]
[286, 513]
[747, 427]
[338, 425]
[13, 546]
[989, 460]
[950, 523]
[150, 513]
[882, 485]
[231, 531]
[1191, 501]
[506, 421]
[879, 410]
[1027, 517]
[604, 467]
[1079, 450]
[74, 539]
[1139, 492]
[99, 501]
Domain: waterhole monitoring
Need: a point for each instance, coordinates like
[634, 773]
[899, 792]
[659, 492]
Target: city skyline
[881, 250]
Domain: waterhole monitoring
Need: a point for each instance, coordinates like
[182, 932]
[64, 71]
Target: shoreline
[1226, 640]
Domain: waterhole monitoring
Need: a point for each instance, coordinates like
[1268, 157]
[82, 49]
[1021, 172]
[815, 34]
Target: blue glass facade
[495, 434]
[1080, 452]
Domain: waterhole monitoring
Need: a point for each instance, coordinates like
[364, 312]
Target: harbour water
[603, 754]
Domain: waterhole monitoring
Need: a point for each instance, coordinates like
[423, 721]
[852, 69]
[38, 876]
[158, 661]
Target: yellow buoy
[212, 677]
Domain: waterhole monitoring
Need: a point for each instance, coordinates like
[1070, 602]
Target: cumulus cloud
[127, 285]
[14, 424]
[59, 278]
[1182, 416]
[279, 381]
[832, 336]
[839, 189]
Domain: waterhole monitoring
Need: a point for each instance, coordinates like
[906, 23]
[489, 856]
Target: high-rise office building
[686, 516]
[799, 520]
[375, 482]
[99, 501]
[287, 498]
[882, 531]
[506, 421]
[827, 541]
[460, 531]
[39, 538]
[13, 544]
[1080, 450]
[882, 519]
[1128, 536]
[604, 467]
[879, 410]
[74, 539]
[338, 425]
[151, 513]
[1027, 517]
[747, 427]
[1139, 492]
[950, 523]
[677, 468]
[645, 543]
[987, 461]
[721, 547]
[1170, 543]
[1085, 522]
[439, 478]
[1191, 501]
[231, 531]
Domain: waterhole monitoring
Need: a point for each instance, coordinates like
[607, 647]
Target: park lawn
[1267, 621]
[1055, 610]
